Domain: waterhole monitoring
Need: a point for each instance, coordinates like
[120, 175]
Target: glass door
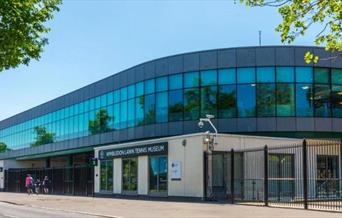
[327, 183]
[158, 174]
[130, 175]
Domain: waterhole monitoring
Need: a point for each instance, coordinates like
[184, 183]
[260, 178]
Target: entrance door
[130, 175]
[158, 175]
[327, 184]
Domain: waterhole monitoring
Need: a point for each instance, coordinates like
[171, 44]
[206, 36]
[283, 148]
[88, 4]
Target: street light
[208, 119]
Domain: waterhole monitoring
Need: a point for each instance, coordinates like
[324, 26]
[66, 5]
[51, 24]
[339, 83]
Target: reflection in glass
[304, 75]
[161, 107]
[191, 79]
[149, 86]
[131, 112]
[285, 100]
[150, 112]
[161, 84]
[106, 175]
[176, 81]
[246, 75]
[285, 74]
[191, 104]
[304, 100]
[208, 77]
[227, 101]
[158, 173]
[209, 101]
[129, 174]
[266, 100]
[176, 105]
[336, 101]
[321, 100]
[336, 76]
[139, 110]
[246, 100]
[227, 76]
[321, 75]
[265, 75]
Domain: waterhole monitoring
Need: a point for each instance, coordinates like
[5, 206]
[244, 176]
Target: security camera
[200, 124]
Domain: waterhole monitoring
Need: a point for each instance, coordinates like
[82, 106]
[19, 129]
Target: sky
[92, 39]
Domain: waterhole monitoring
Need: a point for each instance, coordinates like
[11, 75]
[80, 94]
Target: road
[8, 210]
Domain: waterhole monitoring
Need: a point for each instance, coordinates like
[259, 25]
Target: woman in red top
[29, 183]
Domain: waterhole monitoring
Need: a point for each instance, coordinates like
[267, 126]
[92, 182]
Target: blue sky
[90, 40]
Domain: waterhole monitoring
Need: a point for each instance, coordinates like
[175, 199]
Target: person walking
[29, 184]
[46, 184]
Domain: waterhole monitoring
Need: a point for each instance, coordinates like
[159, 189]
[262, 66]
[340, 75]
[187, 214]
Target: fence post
[305, 175]
[266, 175]
[232, 179]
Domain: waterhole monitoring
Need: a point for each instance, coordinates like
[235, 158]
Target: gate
[77, 180]
[305, 175]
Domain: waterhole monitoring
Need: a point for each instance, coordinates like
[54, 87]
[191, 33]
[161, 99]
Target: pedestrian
[37, 185]
[29, 184]
[46, 184]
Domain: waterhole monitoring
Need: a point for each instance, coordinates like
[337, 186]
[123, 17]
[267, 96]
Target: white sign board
[176, 170]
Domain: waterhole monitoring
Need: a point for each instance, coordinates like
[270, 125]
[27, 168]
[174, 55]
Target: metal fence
[306, 175]
[77, 180]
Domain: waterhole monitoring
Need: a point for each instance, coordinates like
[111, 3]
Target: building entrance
[130, 175]
[158, 175]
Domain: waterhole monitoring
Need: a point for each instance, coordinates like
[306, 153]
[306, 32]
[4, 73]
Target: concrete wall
[117, 180]
[143, 175]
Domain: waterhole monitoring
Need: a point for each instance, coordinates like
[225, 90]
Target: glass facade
[225, 93]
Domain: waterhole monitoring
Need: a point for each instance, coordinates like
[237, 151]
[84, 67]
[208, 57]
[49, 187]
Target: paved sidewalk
[109, 207]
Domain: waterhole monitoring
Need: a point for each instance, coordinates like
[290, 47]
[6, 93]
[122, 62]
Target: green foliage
[299, 15]
[3, 147]
[22, 28]
[100, 124]
[42, 136]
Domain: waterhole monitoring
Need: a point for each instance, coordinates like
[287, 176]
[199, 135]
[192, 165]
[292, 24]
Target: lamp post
[210, 142]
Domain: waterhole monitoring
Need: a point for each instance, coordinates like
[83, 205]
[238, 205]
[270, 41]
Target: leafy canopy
[3, 147]
[299, 15]
[42, 136]
[22, 28]
[101, 122]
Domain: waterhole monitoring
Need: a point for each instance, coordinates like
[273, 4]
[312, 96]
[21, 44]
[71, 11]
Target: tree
[299, 15]
[100, 124]
[22, 28]
[3, 147]
[42, 136]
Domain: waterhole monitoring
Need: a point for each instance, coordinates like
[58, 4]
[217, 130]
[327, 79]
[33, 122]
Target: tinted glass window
[208, 77]
[176, 81]
[139, 89]
[123, 114]
[117, 96]
[191, 104]
[304, 103]
[139, 110]
[97, 105]
[123, 94]
[149, 86]
[285, 100]
[227, 101]
[110, 98]
[336, 101]
[336, 76]
[161, 84]
[266, 100]
[131, 112]
[285, 74]
[265, 74]
[227, 76]
[161, 107]
[321, 75]
[131, 91]
[246, 100]
[191, 79]
[209, 100]
[246, 75]
[321, 100]
[304, 75]
[116, 116]
[149, 109]
[176, 105]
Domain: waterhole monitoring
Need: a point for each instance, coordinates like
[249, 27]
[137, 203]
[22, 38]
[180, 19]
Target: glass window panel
[321, 100]
[285, 100]
[139, 110]
[150, 112]
[139, 89]
[161, 107]
[321, 75]
[227, 101]
[110, 98]
[191, 79]
[336, 101]
[123, 94]
[336, 76]
[131, 91]
[285, 74]
[191, 104]
[209, 101]
[116, 116]
[265, 75]
[131, 113]
[97, 102]
[265, 100]
[149, 86]
[176, 105]
[176, 81]
[103, 100]
[117, 96]
[246, 101]
[304, 75]
[246, 75]
[123, 114]
[227, 76]
[304, 100]
[208, 77]
[161, 84]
